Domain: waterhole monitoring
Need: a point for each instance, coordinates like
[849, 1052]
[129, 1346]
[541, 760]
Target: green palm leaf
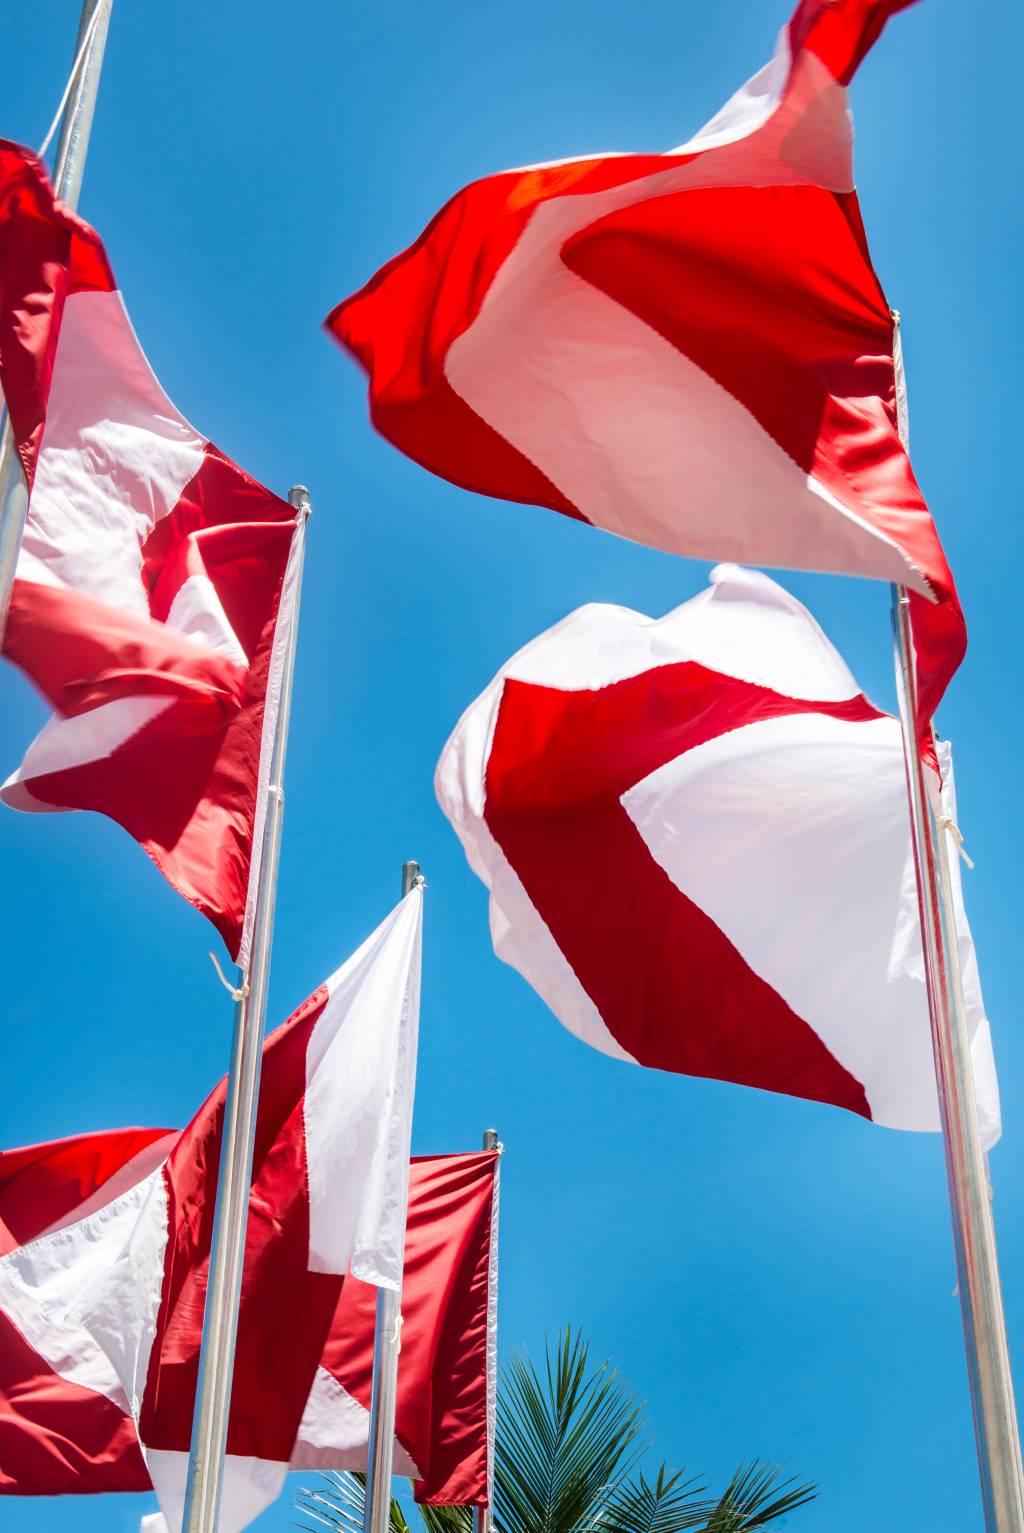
[567, 1443]
[564, 1442]
[756, 1495]
[339, 1504]
[669, 1505]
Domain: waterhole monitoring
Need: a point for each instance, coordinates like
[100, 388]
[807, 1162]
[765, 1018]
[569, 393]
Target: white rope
[236, 994]
[72, 77]
[396, 1336]
[945, 823]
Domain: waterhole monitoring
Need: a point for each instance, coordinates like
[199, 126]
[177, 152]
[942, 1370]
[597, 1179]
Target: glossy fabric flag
[107, 1243]
[695, 834]
[150, 578]
[689, 349]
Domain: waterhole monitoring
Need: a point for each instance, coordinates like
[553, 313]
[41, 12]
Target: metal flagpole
[220, 1318]
[981, 1303]
[483, 1521]
[387, 1343]
[974, 1240]
[69, 167]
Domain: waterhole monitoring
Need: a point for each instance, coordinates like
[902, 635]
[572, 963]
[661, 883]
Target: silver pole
[387, 1343]
[220, 1318]
[69, 167]
[483, 1520]
[981, 1303]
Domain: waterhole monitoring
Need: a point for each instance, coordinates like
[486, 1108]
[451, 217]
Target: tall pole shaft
[220, 1319]
[387, 1343]
[483, 1519]
[69, 167]
[981, 1303]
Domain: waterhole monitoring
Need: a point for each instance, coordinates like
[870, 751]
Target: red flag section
[695, 837]
[690, 349]
[103, 1264]
[146, 602]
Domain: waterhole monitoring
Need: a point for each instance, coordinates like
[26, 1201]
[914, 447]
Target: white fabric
[335, 1431]
[360, 1080]
[114, 459]
[287, 616]
[197, 610]
[593, 647]
[986, 1082]
[595, 435]
[250, 1485]
[86, 1296]
[65, 743]
[792, 834]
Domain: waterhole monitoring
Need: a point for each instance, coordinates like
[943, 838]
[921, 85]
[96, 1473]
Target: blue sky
[774, 1277]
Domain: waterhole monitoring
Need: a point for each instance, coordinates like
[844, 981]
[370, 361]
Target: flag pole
[220, 1318]
[387, 1343]
[981, 1301]
[69, 167]
[483, 1521]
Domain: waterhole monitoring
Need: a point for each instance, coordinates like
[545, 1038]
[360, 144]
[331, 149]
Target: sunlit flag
[150, 579]
[694, 831]
[106, 1244]
[689, 349]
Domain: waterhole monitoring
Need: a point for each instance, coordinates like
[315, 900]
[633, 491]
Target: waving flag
[689, 349]
[695, 835]
[107, 1243]
[150, 579]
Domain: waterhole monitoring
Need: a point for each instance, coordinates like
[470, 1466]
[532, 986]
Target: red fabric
[279, 1343]
[45, 253]
[442, 1367]
[56, 1437]
[403, 321]
[841, 32]
[559, 764]
[769, 290]
[185, 785]
[44, 1183]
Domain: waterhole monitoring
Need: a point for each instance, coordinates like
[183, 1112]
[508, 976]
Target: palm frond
[446, 1519]
[564, 1442]
[756, 1495]
[339, 1503]
[668, 1505]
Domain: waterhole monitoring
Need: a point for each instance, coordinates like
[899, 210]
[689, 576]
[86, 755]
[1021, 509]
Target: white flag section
[736, 811]
[112, 1299]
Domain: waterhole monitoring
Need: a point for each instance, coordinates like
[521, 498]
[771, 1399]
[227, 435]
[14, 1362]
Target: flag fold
[105, 1243]
[695, 834]
[150, 605]
[690, 349]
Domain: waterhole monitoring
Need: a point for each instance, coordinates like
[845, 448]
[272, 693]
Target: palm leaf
[339, 1504]
[446, 1519]
[669, 1505]
[756, 1495]
[564, 1442]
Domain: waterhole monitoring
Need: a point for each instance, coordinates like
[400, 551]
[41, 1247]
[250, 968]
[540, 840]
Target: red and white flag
[689, 349]
[694, 831]
[107, 1244]
[151, 574]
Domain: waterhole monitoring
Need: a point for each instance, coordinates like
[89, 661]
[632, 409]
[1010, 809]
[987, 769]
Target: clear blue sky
[774, 1277]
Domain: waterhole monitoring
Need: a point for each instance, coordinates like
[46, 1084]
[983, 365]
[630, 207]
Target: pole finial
[491, 1140]
[298, 496]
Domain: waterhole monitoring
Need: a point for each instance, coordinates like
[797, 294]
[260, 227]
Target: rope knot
[948, 824]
